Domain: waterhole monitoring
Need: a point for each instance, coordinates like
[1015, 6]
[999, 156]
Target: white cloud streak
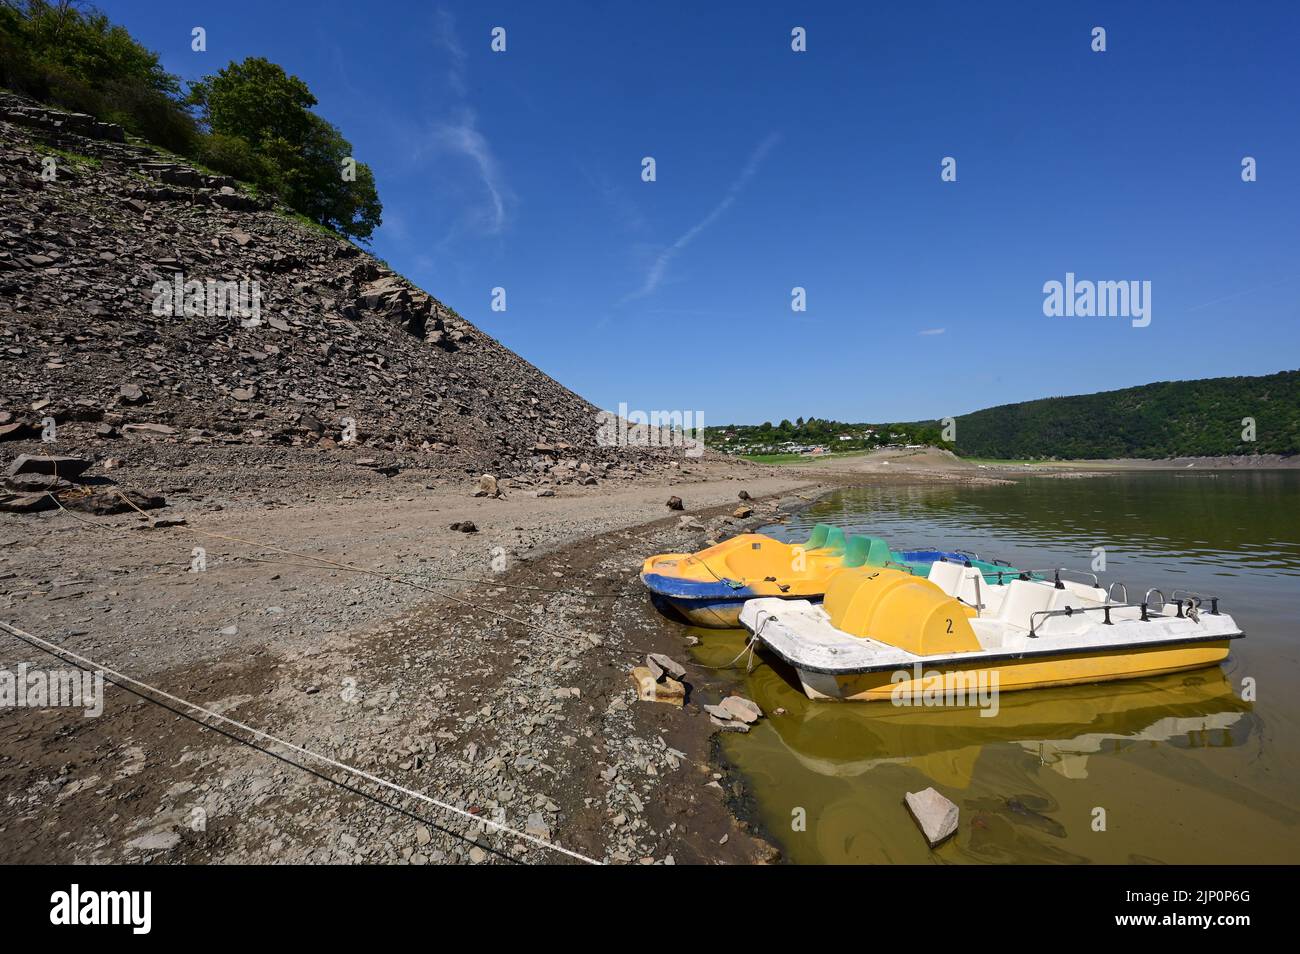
[655, 275]
[463, 138]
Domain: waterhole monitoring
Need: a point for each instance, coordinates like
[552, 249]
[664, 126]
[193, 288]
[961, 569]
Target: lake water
[1179, 769]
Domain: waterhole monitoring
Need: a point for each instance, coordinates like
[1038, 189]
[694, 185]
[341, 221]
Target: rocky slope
[90, 222]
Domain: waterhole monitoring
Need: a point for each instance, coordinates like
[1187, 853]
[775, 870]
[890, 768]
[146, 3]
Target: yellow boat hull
[1015, 674]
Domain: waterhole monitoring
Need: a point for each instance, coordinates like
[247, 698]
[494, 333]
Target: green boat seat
[818, 538]
[866, 551]
[835, 540]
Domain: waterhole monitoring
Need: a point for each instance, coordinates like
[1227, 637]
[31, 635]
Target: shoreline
[932, 462]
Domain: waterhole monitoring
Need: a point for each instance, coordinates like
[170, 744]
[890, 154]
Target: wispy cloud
[1242, 294]
[462, 137]
[658, 268]
[459, 135]
[932, 331]
[445, 39]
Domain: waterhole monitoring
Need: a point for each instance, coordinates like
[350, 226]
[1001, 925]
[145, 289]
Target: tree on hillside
[255, 122]
[79, 60]
[255, 103]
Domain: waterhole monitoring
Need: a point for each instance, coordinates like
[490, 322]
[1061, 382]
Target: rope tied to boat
[747, 650]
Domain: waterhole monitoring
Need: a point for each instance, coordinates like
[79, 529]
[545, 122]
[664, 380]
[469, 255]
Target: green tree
[304, 157]
[58, 54]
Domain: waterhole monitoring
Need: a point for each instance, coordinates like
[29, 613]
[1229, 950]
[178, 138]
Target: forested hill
[1168, 419]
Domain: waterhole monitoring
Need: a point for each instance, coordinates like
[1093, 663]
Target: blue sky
[819, 169]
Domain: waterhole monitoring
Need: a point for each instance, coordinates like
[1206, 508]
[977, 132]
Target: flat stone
[37, 483]
[935, 815]
[156, 841]
[17, 431]
[69, 468]
[741, 708]
[661, 665]
[728, 725]
[649, 689]
[25, 503]
[537, 827]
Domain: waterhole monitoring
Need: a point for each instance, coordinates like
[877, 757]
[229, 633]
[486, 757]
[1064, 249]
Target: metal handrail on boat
[1071, 610]
[1056, 576]
[1145, 606]
[1111, 589]
[1212, 600]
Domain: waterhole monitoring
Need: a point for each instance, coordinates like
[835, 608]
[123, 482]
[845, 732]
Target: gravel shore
[509, 700]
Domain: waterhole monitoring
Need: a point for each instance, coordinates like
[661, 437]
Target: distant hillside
[1167, 419]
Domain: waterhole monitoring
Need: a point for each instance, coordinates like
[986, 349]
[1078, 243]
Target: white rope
[50, 647]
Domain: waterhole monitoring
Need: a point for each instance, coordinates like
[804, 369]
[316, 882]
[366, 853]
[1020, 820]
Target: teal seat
[818, 538]
[867, 551]
[835, 541]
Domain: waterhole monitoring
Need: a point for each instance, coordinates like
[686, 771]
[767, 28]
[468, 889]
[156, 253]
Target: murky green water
[1184, 770]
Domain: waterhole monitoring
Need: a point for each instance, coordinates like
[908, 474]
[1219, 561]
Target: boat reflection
[1062, 727]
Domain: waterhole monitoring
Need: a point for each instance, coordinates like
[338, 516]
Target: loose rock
[934, 814]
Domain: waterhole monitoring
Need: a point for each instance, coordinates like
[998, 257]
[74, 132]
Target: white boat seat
[968, 585]
[947, 576]
[1023, 598]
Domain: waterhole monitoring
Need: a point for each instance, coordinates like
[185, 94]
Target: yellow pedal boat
[708, 588]
[953, 638]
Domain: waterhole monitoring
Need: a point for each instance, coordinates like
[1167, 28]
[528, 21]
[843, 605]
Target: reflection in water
[1180, 768]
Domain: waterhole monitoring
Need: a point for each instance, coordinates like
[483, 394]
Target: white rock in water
[936, 815]
[738, 707]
